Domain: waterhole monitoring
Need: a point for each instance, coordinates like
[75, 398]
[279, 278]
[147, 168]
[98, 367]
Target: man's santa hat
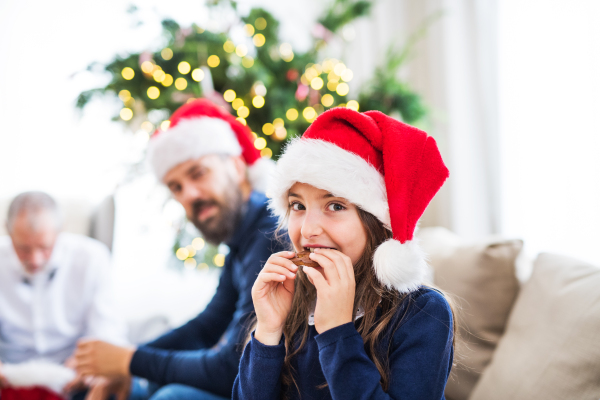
[199, 128]
[387, 168]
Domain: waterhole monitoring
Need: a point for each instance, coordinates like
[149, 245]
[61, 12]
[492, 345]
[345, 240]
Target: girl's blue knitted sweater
[420, 359]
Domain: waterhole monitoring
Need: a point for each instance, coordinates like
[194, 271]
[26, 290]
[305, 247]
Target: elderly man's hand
[102, 388]
[95, 357]
[3, 382]
[78, 383]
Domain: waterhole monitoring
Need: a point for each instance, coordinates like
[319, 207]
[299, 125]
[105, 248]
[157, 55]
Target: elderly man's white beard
[41, 271]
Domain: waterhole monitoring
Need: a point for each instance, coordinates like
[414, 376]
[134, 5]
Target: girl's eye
[335, 207]
[297, 207]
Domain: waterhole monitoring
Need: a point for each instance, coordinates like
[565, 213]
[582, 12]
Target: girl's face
[318, 219]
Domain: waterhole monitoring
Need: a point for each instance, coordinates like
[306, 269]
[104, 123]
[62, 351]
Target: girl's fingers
[317, 278]
[338, 261]
[350, 270]
[342, 263]
[329, 268]
[272, 268]
[288, 284]
[284, 254]
[267, 277]
[284, 262]
[345, 266]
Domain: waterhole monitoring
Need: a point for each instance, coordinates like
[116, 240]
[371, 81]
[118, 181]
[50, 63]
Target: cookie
[303, 259]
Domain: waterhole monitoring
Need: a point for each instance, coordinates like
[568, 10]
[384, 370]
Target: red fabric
[35, 393]
[407, 157]
[204, 108]
[351, 131]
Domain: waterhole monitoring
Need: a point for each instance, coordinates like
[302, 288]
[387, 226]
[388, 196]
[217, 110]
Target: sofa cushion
[551, 348]
[480, 277]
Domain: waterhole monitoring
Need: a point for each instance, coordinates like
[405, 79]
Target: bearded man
[208, 162]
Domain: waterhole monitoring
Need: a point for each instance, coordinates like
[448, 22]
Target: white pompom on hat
[387, 168]
[199, 128]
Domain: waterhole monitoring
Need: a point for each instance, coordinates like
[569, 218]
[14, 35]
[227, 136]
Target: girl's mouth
[312, 249]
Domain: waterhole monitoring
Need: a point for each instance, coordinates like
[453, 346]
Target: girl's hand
[272, 295]
[335, 288]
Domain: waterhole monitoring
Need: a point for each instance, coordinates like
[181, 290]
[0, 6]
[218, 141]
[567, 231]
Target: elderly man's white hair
[32, 204]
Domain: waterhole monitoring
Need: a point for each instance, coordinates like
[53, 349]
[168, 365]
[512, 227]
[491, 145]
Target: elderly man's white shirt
[43, 316]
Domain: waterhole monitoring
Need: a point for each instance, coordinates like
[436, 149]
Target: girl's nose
[312, 225]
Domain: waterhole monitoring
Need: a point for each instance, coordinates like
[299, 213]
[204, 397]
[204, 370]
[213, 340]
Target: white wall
[550, 130]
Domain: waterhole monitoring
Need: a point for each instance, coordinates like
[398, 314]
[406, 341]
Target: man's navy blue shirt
[205, 352]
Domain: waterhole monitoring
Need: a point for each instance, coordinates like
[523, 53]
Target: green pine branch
[342, 12]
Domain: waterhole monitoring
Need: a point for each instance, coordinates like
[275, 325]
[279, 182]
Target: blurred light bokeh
[546, 91]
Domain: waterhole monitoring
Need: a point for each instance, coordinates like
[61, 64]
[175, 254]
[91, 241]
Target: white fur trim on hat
[329, 167]
[401, 266]
[190, 139]
[38, 373]
[260, 173]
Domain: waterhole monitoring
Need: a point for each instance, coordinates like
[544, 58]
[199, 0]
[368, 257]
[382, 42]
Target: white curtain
[512, 88]
[549, 106]
[454, 68]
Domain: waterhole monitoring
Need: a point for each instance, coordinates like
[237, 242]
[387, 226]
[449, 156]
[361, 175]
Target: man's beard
[220, 227]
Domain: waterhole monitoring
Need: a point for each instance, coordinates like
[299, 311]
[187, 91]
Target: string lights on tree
[260, 80]
[271, 87]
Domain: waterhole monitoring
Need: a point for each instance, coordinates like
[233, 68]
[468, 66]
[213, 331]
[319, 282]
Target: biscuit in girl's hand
[302, 259]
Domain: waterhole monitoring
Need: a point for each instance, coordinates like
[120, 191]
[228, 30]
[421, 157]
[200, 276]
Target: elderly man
[208, 161]
[54, 290]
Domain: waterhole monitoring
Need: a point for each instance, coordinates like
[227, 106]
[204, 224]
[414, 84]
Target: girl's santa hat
[199, 128]
[387, 168]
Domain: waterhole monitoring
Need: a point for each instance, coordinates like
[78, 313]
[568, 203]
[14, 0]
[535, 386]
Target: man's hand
[3, 381]
[78, 383]
[95, 357]
[102, 388]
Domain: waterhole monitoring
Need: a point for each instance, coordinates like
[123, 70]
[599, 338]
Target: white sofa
[524, 333]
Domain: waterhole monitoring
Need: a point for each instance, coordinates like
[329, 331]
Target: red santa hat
[199, 128]
[37, 379]
[387, 168]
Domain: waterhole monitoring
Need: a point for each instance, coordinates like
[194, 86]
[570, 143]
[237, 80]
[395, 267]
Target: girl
[359, 326]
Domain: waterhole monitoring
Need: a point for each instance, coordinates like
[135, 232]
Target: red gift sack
[35, 393]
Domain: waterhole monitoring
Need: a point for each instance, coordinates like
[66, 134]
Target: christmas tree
[272, 88]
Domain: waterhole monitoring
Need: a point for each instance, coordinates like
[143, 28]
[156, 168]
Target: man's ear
[241, 168]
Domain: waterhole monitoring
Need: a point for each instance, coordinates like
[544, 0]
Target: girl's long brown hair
[369, 293]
